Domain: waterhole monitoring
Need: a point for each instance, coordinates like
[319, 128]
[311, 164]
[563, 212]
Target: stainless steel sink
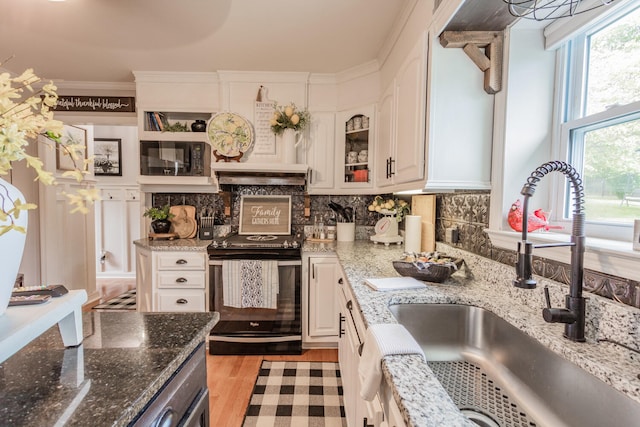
[499, 376]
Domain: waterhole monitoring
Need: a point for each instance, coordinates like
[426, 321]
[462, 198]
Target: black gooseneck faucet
[573, 316]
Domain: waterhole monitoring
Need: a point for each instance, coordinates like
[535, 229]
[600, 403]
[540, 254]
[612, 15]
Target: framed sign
[73, 138]
[107, 158]
[265, 142]
[265, 215]
[98, 104]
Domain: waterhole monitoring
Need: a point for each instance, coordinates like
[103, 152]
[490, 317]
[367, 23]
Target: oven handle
[255, 339]
[280, 263]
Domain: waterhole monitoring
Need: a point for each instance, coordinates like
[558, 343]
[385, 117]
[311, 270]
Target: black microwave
[175, 158]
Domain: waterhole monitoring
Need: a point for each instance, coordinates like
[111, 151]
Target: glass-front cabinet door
[355, 149]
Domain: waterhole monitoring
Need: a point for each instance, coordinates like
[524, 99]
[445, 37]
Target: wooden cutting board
[184, 222]
[425, 206]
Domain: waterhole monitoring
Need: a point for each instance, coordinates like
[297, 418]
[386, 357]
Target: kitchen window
[600, 122]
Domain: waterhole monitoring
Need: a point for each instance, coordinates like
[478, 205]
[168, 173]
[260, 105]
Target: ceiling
[104, 40]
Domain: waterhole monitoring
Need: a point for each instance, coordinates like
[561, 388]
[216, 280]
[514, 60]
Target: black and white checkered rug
[296, 394]
[126, 301]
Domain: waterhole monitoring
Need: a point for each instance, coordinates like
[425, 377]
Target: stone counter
[487, 284]
[125, 358]
[195, 245]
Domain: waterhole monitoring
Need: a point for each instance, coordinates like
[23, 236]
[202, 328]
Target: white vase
[289, 144]
[11, 244]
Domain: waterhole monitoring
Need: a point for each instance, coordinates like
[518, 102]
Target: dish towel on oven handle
[250, 284]
[382, 340]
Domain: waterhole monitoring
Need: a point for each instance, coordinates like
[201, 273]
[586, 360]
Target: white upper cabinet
[460, 122]
[401, 123]
[320, 153]
[386, 137]
[354, 149]
[167, 99]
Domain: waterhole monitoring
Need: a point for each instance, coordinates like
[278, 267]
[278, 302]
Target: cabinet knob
[181, 280]
[181, 261]
[182, 301]
[350, 305]
[340, 281]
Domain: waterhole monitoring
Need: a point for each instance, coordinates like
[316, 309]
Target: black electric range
[255, 246]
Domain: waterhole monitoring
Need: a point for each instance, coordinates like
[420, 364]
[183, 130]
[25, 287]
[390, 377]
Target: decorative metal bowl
[430, 271]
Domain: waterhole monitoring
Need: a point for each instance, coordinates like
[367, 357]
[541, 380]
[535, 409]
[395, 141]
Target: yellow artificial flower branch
[25, 114]
[289, 117]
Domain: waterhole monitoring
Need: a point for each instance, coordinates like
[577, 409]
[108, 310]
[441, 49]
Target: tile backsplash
[467, 211]
[319, 205]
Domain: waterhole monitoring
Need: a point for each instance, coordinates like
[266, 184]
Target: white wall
[118, 214]
[23, 178]
[130, 154]
[524, 118]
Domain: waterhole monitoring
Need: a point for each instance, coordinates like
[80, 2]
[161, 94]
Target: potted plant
[160, 218]
[289, 117]
[289, 122]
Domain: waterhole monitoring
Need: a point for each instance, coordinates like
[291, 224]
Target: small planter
[161, 226]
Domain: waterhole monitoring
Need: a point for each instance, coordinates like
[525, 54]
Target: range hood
[249, 173]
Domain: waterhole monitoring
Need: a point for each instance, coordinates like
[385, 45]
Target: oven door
[258, 330]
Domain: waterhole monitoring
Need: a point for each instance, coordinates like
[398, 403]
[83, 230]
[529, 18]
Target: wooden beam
[489, 61]
[493, 76]
[477, 56]
[460, 39]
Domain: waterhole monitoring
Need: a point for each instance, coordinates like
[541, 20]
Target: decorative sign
[265, 215]
[98, 104]
[265, 142]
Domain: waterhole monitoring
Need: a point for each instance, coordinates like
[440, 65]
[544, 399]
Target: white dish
[230, 134]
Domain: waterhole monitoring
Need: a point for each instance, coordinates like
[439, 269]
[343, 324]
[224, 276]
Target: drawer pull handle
[181, 280]
[166, 419]
[182, 301]
[181, 261]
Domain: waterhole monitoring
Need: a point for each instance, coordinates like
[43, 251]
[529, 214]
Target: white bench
[633, 197]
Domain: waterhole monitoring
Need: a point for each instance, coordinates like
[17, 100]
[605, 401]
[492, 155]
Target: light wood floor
[231, 379]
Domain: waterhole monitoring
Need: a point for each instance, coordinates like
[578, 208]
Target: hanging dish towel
[380, 341]
[250, 284]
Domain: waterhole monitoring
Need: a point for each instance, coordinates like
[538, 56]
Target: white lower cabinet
[171, 280]
[358, 411]
[181, 300]
[320, 298]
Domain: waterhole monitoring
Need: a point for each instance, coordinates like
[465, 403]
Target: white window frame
[571, 119]
[513, 158]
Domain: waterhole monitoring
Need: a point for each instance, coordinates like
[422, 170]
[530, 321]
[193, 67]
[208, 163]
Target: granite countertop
[195, 245]
[487, 284]
[125, 358]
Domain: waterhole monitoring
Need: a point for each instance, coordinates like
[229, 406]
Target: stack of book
[156, 121]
